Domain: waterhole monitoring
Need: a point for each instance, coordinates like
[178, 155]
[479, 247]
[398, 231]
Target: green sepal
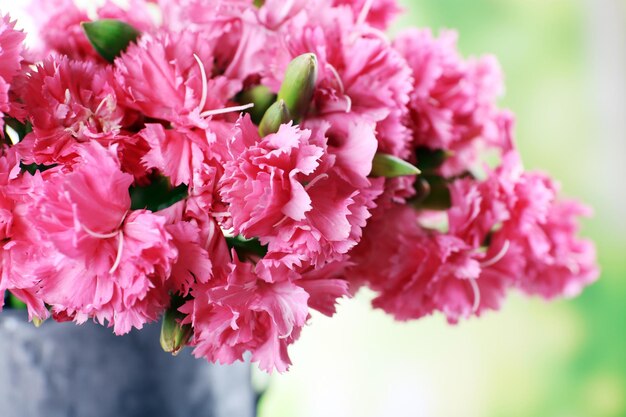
[157, 195]
[276, 115]
[298, 85]
[15, 303]
[389, 166]
[174, 336]
[110, 37]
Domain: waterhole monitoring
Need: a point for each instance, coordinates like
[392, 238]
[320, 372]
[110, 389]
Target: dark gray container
[65, 370]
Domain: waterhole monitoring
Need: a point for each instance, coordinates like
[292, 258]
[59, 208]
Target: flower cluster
[232, 165]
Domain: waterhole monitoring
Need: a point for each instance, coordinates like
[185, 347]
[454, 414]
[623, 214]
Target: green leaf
[156, 196]
[174, 336]
[299, 84]
[389, 166]
[246, 247]
[276, 115]
[110, 37]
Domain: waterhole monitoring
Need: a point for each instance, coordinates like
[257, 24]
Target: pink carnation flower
[282, 189]
[10, 58]
[360, 74]
[111, 263]
[419, 271]
[452, 102]
[70, 102]
[20, 250]
[377, 13]
[169, 76]
[242, 313]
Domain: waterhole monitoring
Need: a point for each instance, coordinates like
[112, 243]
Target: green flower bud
[275, 116]
[262, 97]
[174, 336]
[389, 166]
[110, 37]
[299, 84]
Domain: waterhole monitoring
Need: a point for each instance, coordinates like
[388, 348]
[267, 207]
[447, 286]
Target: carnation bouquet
[227, 166]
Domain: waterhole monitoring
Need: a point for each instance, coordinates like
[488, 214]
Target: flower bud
[389, 166]
[299, 84]
[275, 116]
[174, 336]
[110, 37]
[262, 97]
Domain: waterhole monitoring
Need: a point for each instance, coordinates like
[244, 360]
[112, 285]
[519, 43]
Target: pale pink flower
[121, 258]
[377, 13]
[58, 23]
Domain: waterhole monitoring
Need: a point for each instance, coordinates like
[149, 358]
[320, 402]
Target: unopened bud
[275, 116]
[299, 84]
[262, 98]
[389, 166]
[174, 336]
[110, 37]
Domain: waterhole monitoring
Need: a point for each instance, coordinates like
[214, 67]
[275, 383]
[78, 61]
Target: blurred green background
[565, 66]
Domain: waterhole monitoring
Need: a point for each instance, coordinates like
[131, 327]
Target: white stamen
[226, 110]
[99, 235]
[348, 103]
[337, 77]
[281, 221]
[364, 12]
[476, 291]
[342, 89]
[205, 86]
[102, 103]
[498, 257]
[316, 180]
[118, 258]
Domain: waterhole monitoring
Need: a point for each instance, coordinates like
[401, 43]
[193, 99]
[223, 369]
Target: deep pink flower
[359, 73]
[282, 189]
[418, 271]
[453, 101]
[243, 313]
[20, 247]
[111, 263]
[170, 76]
[10, 58]
[70, 102]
